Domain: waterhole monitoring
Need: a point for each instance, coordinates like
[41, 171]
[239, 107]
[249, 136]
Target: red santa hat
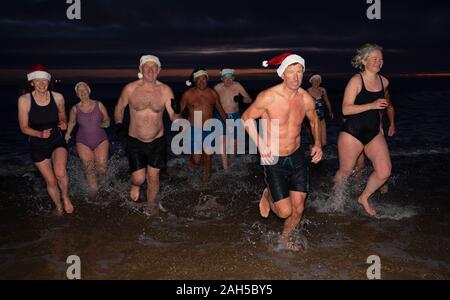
[38, 71]
[284, 60]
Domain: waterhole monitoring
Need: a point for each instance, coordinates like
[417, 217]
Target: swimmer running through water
[364, 97]
[42, 117]
[147, 99]
[286, 179]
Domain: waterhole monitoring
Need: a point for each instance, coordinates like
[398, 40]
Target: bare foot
[365, 203]
[384, 189]
[68, 207]
[288, 245]
[134, 192]
[153, 209]
[264, 206]
[58, 211]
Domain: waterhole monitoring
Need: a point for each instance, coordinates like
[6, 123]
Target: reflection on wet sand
[214, 231]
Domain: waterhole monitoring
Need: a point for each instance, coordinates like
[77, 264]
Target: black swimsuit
[321, 108]
[41, 118]
[366, 125]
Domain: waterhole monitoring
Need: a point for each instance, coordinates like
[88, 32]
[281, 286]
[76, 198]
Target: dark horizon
[233, 34]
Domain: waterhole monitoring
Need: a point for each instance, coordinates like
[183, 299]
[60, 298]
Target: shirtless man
[232, 94]
[287, 176]
[147, 99]
[203, 99]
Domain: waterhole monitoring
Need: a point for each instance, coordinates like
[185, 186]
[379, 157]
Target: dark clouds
[215, 33]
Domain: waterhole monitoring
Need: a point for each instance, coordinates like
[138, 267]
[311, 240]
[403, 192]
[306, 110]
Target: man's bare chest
[147, 101]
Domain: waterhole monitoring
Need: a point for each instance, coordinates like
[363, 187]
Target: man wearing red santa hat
[42, 117]
[284, 106]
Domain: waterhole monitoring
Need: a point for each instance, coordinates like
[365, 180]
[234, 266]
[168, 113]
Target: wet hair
[28, 88]
[362, 53]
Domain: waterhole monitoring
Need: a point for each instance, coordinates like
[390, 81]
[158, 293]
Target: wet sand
[214, 230]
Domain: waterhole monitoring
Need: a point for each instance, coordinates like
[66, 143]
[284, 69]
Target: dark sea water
[214, 230]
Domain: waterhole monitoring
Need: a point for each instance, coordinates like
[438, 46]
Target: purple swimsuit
[89, 132]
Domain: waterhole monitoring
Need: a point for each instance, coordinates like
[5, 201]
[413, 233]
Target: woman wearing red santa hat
[42, 117]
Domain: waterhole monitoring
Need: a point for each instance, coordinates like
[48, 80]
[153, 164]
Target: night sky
[215, 34]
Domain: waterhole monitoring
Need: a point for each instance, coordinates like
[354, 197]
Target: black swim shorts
[290, 173]
[141, 155]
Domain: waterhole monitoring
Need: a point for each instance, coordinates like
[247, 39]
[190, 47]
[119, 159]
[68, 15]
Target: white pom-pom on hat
[188, 83]
[140, 76]
[265, 64]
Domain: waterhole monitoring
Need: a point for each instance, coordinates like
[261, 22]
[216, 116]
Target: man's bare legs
[137, 179]
[297, 202]
[59, 158]
[265, 203]
[224, 155]
[152, 189]
[206, 166]
[194, 161]
[290, 209]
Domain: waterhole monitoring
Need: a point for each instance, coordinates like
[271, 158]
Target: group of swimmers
[42, 117]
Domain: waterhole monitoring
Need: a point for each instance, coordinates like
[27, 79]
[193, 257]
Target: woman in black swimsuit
[43, 118]
[323, 105]
[363, 98]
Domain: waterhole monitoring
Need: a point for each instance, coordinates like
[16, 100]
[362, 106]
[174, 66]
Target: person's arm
[170, 103]
[121, 130]
[24, 105]
[61, 111]
[328, 103]
[218, 105]
[351, 91]
[253, 112]
[120, 106]
[106, 121]
[390, 114]
[247, 98]
[311, 114]
[72, 122]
